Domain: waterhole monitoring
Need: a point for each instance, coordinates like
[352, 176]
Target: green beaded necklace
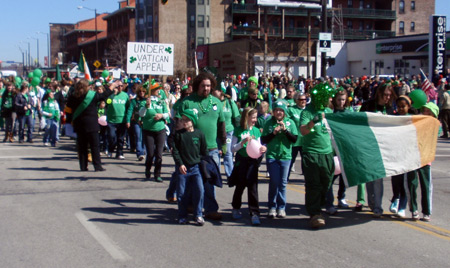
[203, 109]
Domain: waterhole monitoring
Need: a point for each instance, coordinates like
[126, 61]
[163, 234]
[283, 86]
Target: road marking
[27, 156]
[110, 246]
[442, 155]
[425, 227]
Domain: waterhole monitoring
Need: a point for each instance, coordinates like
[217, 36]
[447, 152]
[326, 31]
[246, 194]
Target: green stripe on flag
[357, 147]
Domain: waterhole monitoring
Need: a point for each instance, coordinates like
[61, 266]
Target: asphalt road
[53, 215]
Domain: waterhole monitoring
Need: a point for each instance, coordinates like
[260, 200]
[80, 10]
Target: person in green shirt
[2, 90]
[7, 110]
[154, 121]
[51, 112]
[279, 134]
[245, 172]
[135, 121]
[317, 161]
[189, 146]
[117, 105]
[211, 122]
[294, 113]
[22, 107]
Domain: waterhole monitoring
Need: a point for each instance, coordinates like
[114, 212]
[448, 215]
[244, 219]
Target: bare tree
[117, 51]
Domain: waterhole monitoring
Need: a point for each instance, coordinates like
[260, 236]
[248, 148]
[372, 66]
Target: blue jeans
[375, 195]
[210, 202]
[341, 191]
[137, 131]
[228, 157]
[278, 171]
[171, 190]
[192, 180]
[116, 134]
[51, 131]
[25, 119]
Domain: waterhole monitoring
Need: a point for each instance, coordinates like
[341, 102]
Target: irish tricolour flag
[371, 146]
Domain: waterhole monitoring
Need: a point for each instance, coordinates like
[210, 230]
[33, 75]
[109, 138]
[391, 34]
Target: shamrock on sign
[132, 59]
[168, 50]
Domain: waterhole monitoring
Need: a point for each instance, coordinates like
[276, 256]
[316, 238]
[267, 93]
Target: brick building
[413, 16]
[57, 40]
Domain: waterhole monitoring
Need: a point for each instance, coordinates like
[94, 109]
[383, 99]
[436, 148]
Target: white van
[5, 73]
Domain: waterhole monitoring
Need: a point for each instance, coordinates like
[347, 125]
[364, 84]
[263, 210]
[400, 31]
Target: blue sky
[21, 20]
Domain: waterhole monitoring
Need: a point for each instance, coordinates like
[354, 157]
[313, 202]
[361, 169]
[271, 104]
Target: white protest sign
[150, 58]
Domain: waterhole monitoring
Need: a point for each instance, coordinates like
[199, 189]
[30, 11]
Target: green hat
[280, 104]
[184, 87]
[191, 114]
[253, 79]
[48, 80]
[433, 107]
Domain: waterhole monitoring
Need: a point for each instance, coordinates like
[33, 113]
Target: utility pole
[324, 29]
[308, 44]
[265, 41]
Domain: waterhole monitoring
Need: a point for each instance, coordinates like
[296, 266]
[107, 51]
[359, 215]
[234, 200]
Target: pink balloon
[337, 166]
[102, 120]
[253, 149]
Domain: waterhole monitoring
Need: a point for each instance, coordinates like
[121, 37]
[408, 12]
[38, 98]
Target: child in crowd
[103, 134]
[245, 172]
[423, 176]
[51, 112]
[263, 115]
[399, 198]
[189, 146]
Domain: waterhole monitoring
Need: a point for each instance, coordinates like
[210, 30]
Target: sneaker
[401, 213]
[272, 213]
[172, 199]
[236, 213]
[358, 207]
[121, 157]
[426, 218]
[46, 144]
[415, 216]
[317, 221]
[141, 157]
[331, 210]
[281, 213]
[183, 221]
[158, 179]
[377, 214]
[394, 206]
[199, 221]
[109, 155]
[215, 216]
[255, 220]
[342, 203]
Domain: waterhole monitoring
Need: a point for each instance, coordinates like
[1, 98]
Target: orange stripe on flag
[427, 129]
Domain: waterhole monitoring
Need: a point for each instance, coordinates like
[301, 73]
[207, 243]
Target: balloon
[253, 149]
[105, 73]
[337, 166]
[37, 73]
[419, 98]
[30, 75]
[35, 81]
[102, 120]
[189, 79]
[18, 80]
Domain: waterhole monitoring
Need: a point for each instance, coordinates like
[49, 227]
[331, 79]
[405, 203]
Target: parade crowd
[239, 121]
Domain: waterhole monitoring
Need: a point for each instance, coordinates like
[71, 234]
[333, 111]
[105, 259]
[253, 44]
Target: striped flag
[426, 85]
[371, 146]
[83, 67]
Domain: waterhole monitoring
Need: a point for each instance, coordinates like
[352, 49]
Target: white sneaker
[342, 203]
[46, 144]
[272, 213]
[255, 220]
[121, 157]
[401, 213]
[141, 157]
[331, 210]
[236, 213]
[281, 213]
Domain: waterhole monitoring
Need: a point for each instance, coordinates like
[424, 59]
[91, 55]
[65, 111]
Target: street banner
[372, 146]
[150, 58]
[436, 41]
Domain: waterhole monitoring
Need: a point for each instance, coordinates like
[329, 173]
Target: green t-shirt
[279, 147]
[241, 134]
[290, 102]
[8, 101]
[133, 110]
[157, 106]
[51, 107]
[210, 113]
[294, 113]
[230, 113]
[261, 121]
[317, 141]
[117, 108]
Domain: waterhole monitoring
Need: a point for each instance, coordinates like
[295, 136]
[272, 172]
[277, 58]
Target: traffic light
[164, 2]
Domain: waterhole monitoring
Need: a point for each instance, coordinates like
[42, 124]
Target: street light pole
[324, 29]
[48, 47]
[96, 29]
[37, 52]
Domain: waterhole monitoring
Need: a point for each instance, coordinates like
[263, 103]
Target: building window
[201, 2]
[350, 24]
[401, 7]
[413, 26]
[401, 27]
[207, 21]
[361, 25]
[361, 4]
[201, 21]
[413, 5]
[200, 41]
[192, 21]
[350, 3]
